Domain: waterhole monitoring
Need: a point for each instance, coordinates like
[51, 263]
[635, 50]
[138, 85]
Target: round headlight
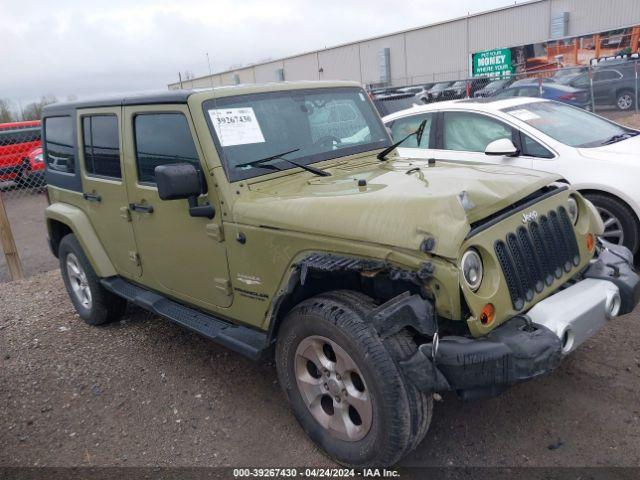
[572, 209]
[472, 269]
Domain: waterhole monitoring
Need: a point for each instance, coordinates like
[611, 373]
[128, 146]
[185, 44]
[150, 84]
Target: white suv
[598, 157]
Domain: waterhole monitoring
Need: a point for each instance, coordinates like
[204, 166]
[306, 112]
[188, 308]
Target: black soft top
[152, 98]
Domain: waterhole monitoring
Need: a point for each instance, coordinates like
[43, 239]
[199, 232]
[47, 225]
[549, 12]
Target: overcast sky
[84, 48]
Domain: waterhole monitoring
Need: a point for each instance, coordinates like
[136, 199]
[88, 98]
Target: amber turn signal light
[487, 314]
[590, 242]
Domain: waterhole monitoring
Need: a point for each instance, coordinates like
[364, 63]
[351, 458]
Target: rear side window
[59, 144]
[101, 145]
[162, 138]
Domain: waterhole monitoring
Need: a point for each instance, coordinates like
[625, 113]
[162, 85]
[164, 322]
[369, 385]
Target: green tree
[33, 111]
[6, 115]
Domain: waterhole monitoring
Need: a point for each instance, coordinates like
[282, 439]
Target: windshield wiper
[618, 138]
[262, 163]
[418, 133]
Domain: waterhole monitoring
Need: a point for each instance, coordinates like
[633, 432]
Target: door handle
[141, 208]
[92, 197]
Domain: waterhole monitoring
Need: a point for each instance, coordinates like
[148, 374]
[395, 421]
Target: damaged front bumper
[533, 344]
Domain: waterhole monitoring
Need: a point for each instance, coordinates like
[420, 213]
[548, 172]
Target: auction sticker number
[236, 126]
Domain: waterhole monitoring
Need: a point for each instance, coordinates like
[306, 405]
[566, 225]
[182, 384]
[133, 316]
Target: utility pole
[210, 73]
[180, 79]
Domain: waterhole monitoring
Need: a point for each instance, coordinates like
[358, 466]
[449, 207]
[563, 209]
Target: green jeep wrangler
[279, 220]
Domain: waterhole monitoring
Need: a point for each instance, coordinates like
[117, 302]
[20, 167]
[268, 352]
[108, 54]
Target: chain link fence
[609, 89]
[22, 202]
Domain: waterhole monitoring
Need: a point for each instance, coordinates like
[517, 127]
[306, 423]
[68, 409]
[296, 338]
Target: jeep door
[181, 256]
[104, 197]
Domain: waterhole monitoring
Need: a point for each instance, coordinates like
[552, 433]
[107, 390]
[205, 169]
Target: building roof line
[368, 39]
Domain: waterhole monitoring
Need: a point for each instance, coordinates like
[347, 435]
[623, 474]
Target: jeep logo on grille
[531, 216]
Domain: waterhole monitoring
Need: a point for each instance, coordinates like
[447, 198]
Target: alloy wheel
[625, 101]
[78, 281]
[613, 231]
[333, 388]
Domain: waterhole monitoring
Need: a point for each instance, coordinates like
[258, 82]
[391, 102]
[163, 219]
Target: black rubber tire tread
[402, 347]
[105, 306]
[339, 315]
[624, 213]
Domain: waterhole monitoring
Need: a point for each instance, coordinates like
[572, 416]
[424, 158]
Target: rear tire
[92, 301]
[621, 224]
[336, 319]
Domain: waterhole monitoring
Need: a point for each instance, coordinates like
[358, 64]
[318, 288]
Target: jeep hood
[403, 202]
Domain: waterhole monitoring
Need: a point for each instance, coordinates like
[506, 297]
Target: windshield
[321, 124]
[569, 125]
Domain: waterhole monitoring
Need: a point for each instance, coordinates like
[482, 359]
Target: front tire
[343, 385]
[620, 223]
[92, 301]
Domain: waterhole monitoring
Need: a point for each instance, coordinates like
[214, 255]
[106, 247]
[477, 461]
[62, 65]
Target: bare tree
[72, 98]
[188, 75]
[33, 111]
[6, 115]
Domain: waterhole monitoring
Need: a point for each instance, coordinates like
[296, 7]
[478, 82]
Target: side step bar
[245, 341]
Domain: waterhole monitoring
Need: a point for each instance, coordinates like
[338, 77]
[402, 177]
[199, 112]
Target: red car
[21, 153]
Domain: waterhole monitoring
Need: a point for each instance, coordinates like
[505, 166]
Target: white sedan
[598, 157]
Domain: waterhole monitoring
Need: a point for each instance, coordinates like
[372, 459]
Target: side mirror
[180, 181]
[502, 147]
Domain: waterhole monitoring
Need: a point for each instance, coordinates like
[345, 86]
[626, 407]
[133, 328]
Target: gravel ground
[147, 392]
[629, 119]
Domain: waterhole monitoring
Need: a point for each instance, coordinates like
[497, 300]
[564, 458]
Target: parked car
[17, 141]
[611, 85]
[566, 75]
[492, 88]
[598, 157]
[551, 91]
[530, 80]
[394, 102]
[257, 217]
[435, 92]
[417, 90]
[461, 88]
[33, 175]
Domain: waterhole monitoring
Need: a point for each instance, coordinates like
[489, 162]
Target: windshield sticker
[236, 126]
[524, 115]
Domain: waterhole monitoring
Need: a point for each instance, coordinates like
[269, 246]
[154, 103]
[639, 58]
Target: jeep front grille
[536, 253]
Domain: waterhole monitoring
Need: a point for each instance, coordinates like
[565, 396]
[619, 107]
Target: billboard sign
[495, 62]
[544, 57]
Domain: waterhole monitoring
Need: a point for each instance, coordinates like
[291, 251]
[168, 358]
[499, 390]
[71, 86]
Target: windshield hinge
[215, 230]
